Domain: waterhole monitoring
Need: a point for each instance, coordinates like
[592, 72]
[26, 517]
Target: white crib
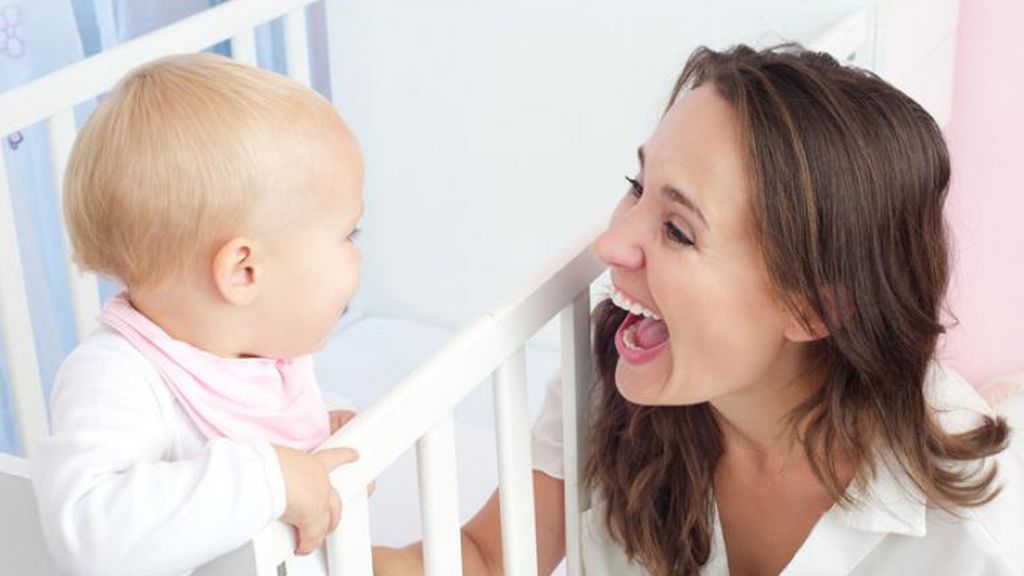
[419, 410]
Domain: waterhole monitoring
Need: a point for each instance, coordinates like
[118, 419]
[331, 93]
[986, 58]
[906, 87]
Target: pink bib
[238, 398]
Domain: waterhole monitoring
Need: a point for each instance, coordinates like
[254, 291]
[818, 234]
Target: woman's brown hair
[848, 177]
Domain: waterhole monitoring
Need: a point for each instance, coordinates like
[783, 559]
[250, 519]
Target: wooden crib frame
[418, 411]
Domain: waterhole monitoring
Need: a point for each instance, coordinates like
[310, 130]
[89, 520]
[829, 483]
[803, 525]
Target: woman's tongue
[650, 333]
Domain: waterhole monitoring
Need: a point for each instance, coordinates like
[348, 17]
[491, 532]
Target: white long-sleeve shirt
[894, 532]
[126, 484]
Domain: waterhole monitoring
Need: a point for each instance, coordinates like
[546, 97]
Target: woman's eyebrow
[676, 195]
[680, 197]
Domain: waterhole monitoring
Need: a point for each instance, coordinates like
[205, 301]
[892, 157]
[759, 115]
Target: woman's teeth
[623, 301]
[628, 338]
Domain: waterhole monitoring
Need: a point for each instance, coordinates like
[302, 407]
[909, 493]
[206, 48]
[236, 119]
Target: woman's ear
[237, 273]
[806, 325]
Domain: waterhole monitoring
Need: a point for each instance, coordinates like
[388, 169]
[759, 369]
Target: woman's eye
[635, 189]
[355, 234]
[677, 235]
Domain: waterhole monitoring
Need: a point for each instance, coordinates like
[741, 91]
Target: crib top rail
[59, 90]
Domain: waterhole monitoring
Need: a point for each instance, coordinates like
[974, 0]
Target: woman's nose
[619, 246]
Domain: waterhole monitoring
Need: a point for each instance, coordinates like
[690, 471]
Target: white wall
[495, 132]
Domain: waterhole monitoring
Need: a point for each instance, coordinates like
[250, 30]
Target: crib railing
[52, 99]
[419, 411]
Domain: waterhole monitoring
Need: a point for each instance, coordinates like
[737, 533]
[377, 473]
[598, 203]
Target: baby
[225, 199]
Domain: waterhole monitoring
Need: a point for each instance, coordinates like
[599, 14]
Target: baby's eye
[355, 234]
[636, 190]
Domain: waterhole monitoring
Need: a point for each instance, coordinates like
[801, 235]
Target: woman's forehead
[697, 148]
[700, 122]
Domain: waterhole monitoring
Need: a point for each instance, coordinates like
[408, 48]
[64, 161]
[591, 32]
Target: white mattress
[365, 358]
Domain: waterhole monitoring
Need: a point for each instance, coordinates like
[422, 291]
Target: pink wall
[986, 210]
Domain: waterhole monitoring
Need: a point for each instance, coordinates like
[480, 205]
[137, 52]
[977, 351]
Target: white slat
[243, 47]
[296, 44]
[515, 478]
[274, 545]
[85, 292]
[348, 547]
[577, 378]
[439, 500]
[16, 326]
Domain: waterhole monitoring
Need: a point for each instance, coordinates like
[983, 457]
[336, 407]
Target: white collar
[890, 503]
[843, 537]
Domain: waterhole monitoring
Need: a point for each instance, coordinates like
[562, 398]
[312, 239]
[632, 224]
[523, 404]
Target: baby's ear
[807, 325]
[236, 273]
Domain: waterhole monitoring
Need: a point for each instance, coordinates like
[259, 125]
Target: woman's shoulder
[955, 403]
[995, 528]
[999, 523]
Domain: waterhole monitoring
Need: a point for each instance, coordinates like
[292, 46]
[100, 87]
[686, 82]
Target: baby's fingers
[310, 536]
[331, 458]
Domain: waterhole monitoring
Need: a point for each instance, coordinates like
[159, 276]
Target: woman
[768, 403]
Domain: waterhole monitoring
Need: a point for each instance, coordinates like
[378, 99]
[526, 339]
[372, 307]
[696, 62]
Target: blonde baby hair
[180, 155]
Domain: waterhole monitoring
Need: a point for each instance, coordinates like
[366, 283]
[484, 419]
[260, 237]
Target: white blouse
[893, 532]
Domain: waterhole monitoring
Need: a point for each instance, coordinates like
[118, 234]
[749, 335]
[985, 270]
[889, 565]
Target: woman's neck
[756, 421]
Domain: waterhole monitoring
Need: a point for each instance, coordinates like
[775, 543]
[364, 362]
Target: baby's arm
[110, 501]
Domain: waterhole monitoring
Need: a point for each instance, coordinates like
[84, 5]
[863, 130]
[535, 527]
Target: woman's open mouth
[642, 334]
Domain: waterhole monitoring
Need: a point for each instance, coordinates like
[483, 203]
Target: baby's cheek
[354, 268]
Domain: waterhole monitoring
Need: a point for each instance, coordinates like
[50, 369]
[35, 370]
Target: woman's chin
[642, 385]
[653, 385]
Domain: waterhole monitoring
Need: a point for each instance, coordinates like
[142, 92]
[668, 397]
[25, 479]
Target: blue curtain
[36, 38]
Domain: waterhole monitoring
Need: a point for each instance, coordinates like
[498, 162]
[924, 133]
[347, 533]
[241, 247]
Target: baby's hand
[338, 419]
[313, 507]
